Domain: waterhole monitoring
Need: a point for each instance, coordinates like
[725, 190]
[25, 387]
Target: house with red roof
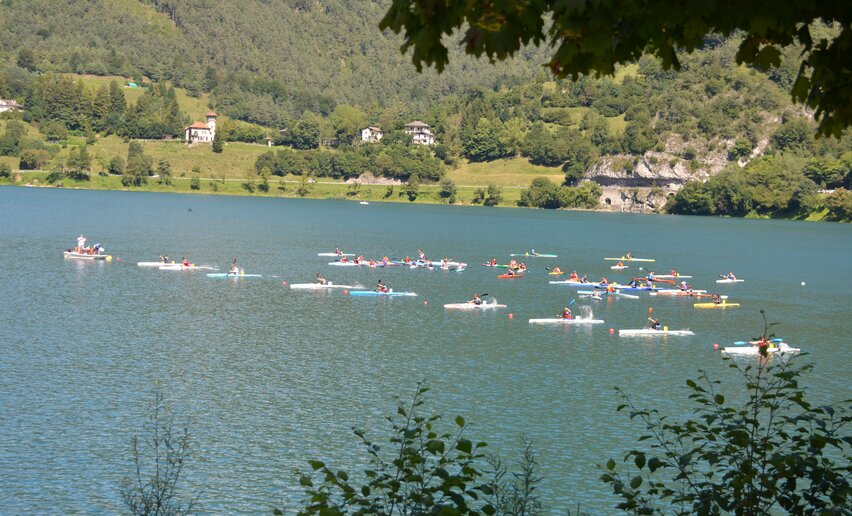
[201, 132]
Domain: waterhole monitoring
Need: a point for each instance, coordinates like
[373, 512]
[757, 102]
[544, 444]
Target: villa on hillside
[9, 106]
[420, 133]
[201, 132]
[371, 134]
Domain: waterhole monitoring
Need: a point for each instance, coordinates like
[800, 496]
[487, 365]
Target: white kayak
[335, 254]
[649, 332]
[153, 265]
[181, 267]
[317, 286]
[619, 267]
[560, 320]
[671, 276]
[726, 280]
[344, 264]
[85, 256]
[742, 349]
[625, 259]
[472, 306]
[232, 275]
[607, 293]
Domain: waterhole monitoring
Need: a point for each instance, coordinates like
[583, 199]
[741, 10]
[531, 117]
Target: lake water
[270, 377]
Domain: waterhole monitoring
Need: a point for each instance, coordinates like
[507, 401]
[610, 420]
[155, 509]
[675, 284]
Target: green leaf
[316, 464]
[635, 482]
[306, 481]
[460, 421]
[639, 460]
[464, 445]
[610, 465]
[719, 399]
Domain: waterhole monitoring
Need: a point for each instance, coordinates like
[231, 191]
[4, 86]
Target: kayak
[471, 306]
[381, 294]
[686, 293]
[671, 276]
[343, 264]
[560, 320]
[775, 346]
[722, 305]
[181, 267]
[85, 256]
[511, 276]
[623, 259]
[575, 283]
[596, 297]
[335, 254]
[608, 293]
[619, 267]
[316, 286]
[560, 273]
[154, 265]
[649, 332]
[726, 280]
[229, 275]
[535, 255]
[506, 266]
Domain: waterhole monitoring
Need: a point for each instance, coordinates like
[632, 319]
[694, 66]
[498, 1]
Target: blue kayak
[381, 294]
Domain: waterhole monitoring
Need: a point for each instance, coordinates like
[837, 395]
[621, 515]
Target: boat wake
[585, 312]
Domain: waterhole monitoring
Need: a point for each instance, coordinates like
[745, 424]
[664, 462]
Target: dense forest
[321, 71]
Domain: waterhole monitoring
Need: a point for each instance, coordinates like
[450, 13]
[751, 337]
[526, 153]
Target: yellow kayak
[723, 304]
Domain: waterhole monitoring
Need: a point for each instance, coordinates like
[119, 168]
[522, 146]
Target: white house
[420, 133]
[371, 134]
[201, 132]
[10, 105]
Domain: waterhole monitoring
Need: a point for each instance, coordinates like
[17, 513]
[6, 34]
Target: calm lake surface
[270, 377]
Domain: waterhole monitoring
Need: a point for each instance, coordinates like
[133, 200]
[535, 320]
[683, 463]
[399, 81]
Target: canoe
[316, 286]
[84, 256]
[180, 267]
[619, 267]
[471, 306]
[623, 259]
[536, 255]
[596, 297]
[559, 320]
[648, 332]
[511, 276]
[774, 347]
[721, 305]
[726, 280]
[335, 254]
[607, 293]
[381, 294]
[229, 275]
[575, 283]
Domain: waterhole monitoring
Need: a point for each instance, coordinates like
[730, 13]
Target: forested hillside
[322, 71]
[264, 60]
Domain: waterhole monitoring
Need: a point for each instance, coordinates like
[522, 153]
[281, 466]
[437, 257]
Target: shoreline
[330, 190]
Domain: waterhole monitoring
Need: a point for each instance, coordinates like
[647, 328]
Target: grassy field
[515, 172]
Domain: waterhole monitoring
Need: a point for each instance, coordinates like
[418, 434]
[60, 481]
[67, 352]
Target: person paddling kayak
[730, 276]
[234, 268]
[566, 313]
[476, 300]
[655, 324]
[320, 279]
[381, 287]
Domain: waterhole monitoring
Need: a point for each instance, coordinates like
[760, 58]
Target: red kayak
[510, 276]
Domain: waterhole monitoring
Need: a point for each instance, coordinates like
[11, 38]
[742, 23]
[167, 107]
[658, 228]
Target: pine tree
[217, 142]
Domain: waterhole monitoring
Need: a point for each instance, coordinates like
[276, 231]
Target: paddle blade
[572, 302]
[483, 295]
[650, 311]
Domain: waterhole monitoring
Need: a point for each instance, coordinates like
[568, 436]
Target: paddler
[234, 268]
[513, 264]
[610, 288]
[81, 243]
[674, 273]
[493, 262]
[573, 276]
[584, 279]
[380, 287]
[717, 299]
[604, 281]
[184, 261]
[522, 266]
[629, 256]
[683, 286]
[655, 324]
[731, 276]
[337, 251]
[476, 300]
[619, 264]
[651, 276]
[556, 270]
[422, 255]
[164, 259]
[566, 313]
[320, 279]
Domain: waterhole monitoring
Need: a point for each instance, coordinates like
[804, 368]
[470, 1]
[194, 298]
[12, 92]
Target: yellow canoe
[723, 304]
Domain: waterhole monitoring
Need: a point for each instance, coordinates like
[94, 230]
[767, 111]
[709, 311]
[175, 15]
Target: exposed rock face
[370, 179]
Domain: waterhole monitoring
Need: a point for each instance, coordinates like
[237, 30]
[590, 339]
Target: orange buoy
[511, 316]
[345, 292]
[611, 331]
